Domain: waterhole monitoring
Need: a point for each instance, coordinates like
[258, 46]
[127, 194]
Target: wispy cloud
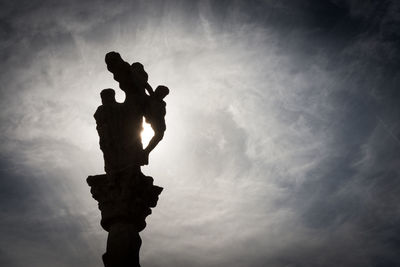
[281, 131]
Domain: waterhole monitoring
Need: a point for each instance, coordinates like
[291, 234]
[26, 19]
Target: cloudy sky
[283, 134]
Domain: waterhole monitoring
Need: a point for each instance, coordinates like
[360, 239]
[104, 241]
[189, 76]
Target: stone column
[125, 200]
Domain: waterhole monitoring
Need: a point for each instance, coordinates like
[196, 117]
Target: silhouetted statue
[124, 193]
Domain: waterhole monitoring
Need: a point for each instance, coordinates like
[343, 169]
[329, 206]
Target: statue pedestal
[125, 200]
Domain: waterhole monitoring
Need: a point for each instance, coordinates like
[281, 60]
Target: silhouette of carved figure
[109, 122]
[125, 195]
[132, 80]
[155, 115]
[119, 133]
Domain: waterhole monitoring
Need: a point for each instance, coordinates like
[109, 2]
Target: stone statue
[125, 195]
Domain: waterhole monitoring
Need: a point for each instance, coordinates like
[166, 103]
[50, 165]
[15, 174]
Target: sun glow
[146, 134]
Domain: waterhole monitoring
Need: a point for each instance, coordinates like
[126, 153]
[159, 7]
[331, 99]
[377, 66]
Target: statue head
[138, 70]
[107, 96]
[113, 59]
[161, 92]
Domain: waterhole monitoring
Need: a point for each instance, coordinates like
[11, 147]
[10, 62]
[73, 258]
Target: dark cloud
[36, 222]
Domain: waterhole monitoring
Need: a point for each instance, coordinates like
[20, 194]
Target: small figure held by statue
[155, 115]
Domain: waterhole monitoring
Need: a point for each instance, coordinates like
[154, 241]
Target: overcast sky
[282, 146]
